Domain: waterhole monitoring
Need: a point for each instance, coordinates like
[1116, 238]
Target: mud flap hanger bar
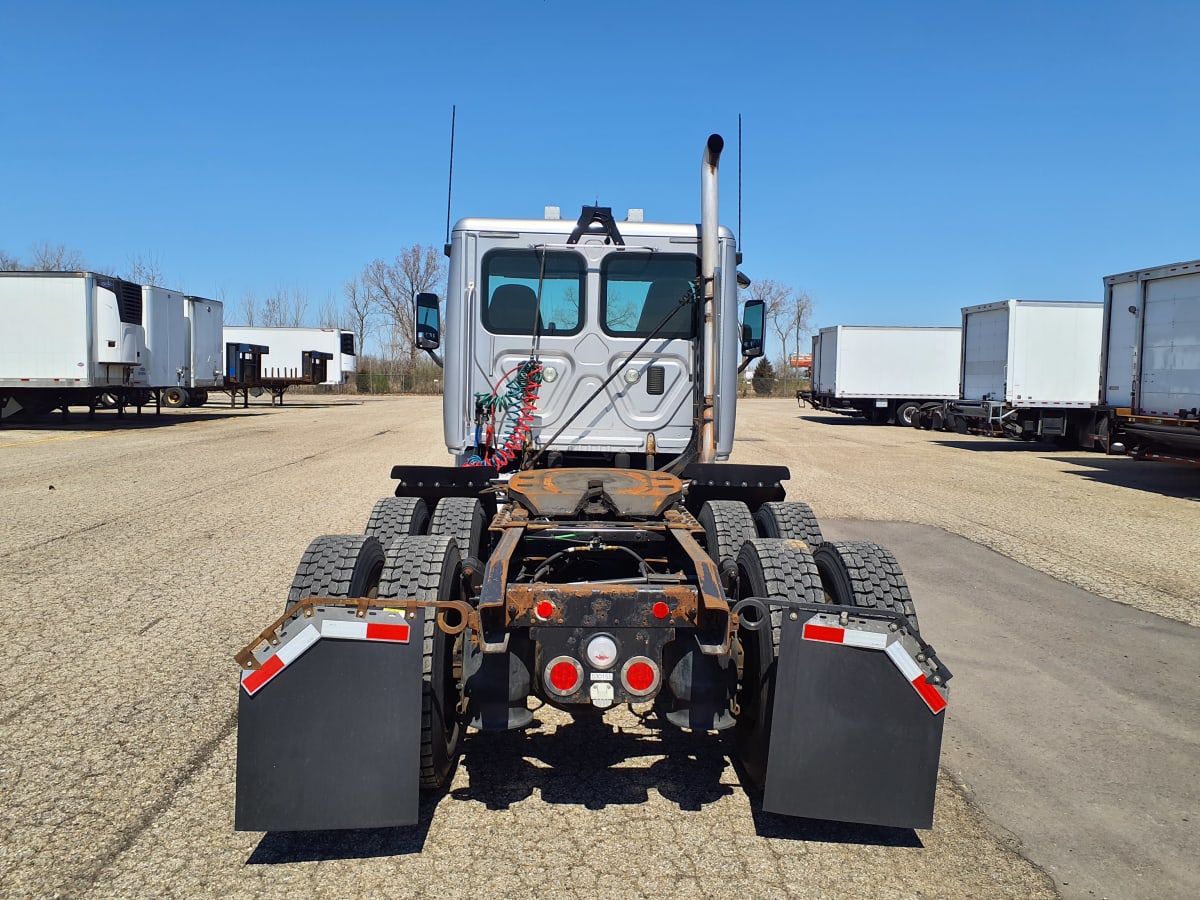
[307, 607]
[864, 628]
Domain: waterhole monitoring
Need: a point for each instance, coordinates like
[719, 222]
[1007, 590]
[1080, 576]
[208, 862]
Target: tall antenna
[450, 186]
[739, 234]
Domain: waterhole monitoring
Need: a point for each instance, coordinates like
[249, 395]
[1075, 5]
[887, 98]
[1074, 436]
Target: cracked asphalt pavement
[136, 557]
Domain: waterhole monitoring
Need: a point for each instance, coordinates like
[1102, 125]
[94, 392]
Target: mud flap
[855, 737]
[334, 740]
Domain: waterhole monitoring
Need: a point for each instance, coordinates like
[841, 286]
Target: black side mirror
[429, 322]
[752, 329]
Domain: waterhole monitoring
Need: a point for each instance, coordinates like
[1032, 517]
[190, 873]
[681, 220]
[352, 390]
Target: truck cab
[612, 316]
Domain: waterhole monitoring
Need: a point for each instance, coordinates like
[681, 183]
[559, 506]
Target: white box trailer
[199, 358]
[884, 373]
[1029, 369]
[166, 338]
[69, 338]
[1150, 393]
[206, 340]
[287, 346]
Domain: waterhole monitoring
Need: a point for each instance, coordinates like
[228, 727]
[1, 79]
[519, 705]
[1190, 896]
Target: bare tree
[144, 269]
[393, 287]
[49, 257]
[798, 312]
[330, 314]
[249, 308]
[774, 297]
[9, 263]
[284, 309]
[788, 310]
[360, 311]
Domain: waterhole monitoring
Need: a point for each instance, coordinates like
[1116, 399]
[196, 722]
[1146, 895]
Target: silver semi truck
[588, 547]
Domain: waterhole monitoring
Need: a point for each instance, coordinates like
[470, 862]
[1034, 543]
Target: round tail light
[640, 676]
[563, 675]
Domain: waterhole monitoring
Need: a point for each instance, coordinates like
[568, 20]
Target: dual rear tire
[846, 573]
[411, 567]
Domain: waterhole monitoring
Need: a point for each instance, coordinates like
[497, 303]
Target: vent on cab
[656, 379]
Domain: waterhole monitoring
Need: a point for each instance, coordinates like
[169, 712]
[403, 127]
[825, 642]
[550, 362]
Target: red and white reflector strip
[816, 630]
[833, 634]
[253, 680]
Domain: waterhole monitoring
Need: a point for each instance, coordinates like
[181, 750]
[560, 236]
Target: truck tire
[174, 398]
[905, 413]
[197, 398]
[727, 525]
[937, 420]
[338, 565]
[463, 519]
[427, 567]
[767, 567]
[395, 517]
[859, 573]
[789, 520]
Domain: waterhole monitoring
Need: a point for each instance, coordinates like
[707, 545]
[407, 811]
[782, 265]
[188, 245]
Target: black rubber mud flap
[851, 739]
[333, 741]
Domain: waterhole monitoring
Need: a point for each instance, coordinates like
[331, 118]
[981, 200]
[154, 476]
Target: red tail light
[640, 676]
[563, 675]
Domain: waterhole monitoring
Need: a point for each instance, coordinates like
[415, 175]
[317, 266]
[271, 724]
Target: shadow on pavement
[995, 445]
[789, 828]
[836, 419]
[108, 420]
[1168, 479]
[578, 765]
[820, 831]
[278, 847]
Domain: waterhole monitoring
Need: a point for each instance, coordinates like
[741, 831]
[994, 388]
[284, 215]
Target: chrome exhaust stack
[706, 426]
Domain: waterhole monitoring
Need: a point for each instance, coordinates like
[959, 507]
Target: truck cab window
[639, 290]
[510, 291]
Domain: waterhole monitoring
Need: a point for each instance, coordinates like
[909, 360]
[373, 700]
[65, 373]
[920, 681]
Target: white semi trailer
[193, 361]
[1029, 370]
[884, 373]
[82, 339]
[205, 345]
[1150, 393]
[285, 360]
[70, 338]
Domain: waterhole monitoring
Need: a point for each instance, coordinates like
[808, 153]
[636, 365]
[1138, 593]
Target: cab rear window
[510, 290]
[640, 292]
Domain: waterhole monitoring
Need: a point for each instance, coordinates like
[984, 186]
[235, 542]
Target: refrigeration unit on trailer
[588, 546]
[883, 373]
[1029, 370]
[1150, 393]
[288, 345]
[69, 339]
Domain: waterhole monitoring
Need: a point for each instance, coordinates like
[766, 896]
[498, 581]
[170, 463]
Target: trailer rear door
[1171, 346]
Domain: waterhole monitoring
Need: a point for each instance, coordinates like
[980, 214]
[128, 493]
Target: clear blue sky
[900, 160]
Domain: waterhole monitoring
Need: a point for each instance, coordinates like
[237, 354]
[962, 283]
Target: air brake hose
[519, 400]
